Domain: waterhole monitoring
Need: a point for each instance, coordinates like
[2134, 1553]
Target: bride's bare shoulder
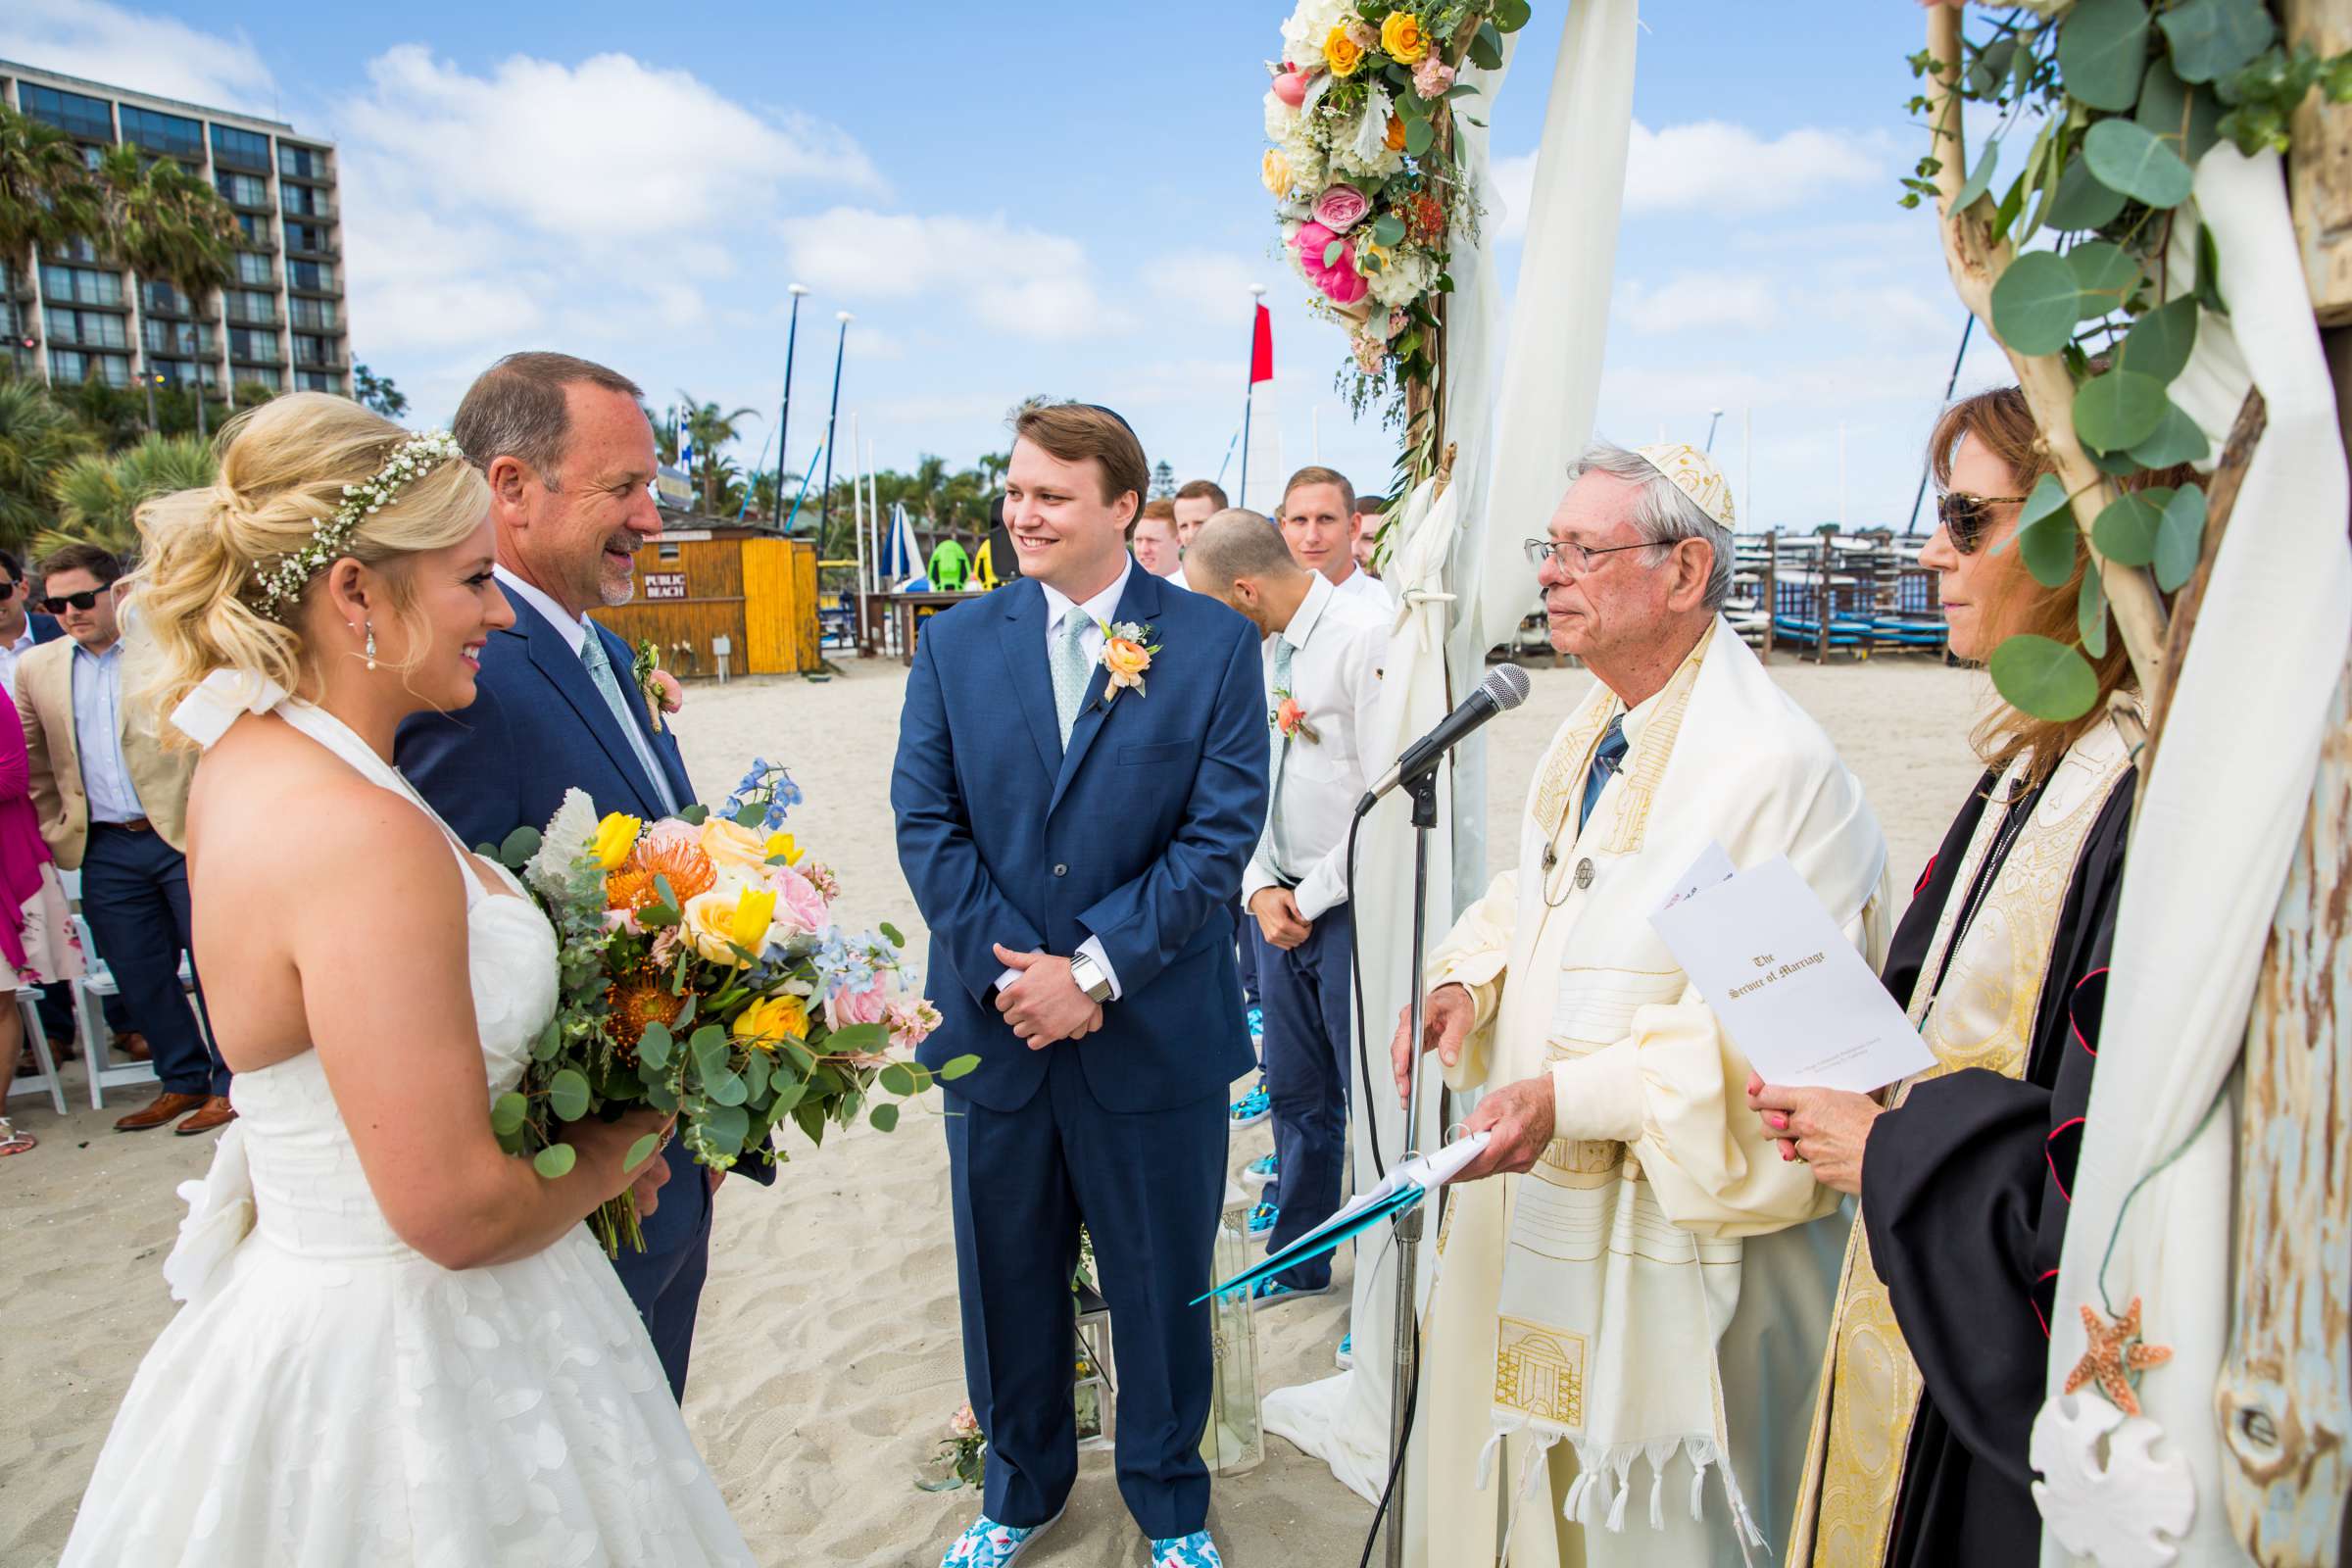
[267, 795]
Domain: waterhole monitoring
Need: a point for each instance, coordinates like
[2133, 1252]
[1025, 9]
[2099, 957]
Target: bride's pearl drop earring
[370, 650]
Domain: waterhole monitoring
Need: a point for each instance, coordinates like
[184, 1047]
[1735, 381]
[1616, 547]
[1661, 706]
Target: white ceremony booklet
[1801, 1003]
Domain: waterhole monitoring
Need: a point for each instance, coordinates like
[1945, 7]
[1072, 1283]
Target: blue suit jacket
[45, 628]
[1137, 835]
[537, 728]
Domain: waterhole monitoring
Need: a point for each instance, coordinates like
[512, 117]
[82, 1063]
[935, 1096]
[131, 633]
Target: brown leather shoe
[216, 1112]
[131, 1046]
[165, 1106]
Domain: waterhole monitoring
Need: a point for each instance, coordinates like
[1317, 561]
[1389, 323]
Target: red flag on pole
[1261, 348]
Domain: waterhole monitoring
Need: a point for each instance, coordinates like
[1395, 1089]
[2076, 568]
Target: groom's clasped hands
[1044, 1005]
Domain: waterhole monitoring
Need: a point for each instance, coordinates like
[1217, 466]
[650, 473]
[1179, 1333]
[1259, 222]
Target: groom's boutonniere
[646, 668]
[1127, 650]
[1289, 719]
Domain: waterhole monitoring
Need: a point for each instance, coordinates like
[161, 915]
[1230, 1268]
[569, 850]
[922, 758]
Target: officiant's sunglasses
[88, 599]
[1965, 518]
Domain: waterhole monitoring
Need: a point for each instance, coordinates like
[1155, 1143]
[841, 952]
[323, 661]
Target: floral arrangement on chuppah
[703, 973]
[1366, 180]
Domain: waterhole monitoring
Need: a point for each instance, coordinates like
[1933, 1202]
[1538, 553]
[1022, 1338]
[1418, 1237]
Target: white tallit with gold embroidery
[1652, 1291]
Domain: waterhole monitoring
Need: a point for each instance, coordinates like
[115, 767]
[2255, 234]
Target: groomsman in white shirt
[1318, 522]
[1323, 658]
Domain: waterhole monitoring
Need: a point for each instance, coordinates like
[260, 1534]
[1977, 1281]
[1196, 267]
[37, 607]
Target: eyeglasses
[87, 599]
[1965, 518]
[1577, 560]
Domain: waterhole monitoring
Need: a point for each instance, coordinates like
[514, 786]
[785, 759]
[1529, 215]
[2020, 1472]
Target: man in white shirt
[1323, 659]
[1153, 542]
[1318, 523]
[1197, 500]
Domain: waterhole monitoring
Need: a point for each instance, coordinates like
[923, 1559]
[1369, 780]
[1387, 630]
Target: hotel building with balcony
[281, 320]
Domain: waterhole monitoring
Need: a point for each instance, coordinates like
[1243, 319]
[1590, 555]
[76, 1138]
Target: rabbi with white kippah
[1626, 1326]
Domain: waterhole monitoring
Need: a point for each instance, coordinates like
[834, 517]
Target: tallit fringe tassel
[1530, 1469]
[1660, 1454]
[1702, 1452]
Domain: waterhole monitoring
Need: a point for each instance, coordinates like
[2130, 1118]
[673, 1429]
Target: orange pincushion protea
[630, 889]
[635, 1003]
[682, 861]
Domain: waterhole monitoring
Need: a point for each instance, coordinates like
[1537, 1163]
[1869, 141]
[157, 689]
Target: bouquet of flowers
[702, 974]
[1362, 169]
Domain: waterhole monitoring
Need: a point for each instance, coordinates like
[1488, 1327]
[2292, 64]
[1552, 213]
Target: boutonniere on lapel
[1289, 719]
[1127, 650]
[656, 685]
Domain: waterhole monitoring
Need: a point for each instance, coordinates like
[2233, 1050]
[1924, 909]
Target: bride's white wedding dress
[329, 1395]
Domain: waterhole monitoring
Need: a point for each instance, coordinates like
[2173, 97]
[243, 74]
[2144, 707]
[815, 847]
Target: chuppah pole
[1405, 1363]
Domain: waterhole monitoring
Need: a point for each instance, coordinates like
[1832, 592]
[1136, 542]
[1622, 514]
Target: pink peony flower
[911, 1022]
[1291, 85]
[1340, 281]
[1432, 76]
[1340, 208]
[671, 834]
[844, 1009]
[964, 1424]
[800, 907]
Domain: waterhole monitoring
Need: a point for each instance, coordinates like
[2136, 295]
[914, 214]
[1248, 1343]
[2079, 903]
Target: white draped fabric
[1464, 545]
[2218, 821]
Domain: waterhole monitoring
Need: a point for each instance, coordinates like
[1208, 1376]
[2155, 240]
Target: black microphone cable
[1356, 978]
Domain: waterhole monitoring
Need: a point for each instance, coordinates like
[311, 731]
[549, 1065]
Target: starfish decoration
[2115, 1357]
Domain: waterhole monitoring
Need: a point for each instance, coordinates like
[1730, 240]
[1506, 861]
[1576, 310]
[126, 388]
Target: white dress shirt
[1339, 646]
[573, 627]
[98, 736]
[10, 654]
[1365, 588]
[1099, 612]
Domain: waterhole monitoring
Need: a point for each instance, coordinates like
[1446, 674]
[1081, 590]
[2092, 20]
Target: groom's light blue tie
[600, 671]
[1282, 754]
[1072, 669]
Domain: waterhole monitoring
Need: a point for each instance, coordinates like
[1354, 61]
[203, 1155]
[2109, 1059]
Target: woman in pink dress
[37, 944]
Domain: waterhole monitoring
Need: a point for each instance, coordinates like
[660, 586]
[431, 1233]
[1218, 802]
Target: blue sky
[1037, 198]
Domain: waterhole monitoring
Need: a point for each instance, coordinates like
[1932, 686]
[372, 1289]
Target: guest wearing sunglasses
[1935, 1367]
[113, 805]
[22, 626]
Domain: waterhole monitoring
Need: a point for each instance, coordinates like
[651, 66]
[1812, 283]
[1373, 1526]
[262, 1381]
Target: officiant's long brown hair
[2003, 424]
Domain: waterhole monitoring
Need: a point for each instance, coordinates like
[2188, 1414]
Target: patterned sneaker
[986, 1543]
[1194, 1551]
[1252, 1108]
[1345, 1354]
[1257, 1023]
[1262, 1218]
[1260, 1171]
[1273, 1292]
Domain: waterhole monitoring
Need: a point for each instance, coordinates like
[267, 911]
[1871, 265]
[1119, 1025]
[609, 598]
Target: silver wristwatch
[1089, 977]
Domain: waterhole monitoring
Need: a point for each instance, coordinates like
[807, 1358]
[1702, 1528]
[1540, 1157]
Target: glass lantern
[1233, 1442]
[1093, 1392]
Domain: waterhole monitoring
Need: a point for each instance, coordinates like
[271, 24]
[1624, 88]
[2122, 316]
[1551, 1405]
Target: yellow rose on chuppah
[616, 837]
[731, 915]
[734, 849]
[1402, 37]
[1275, 170]
[771, 1020]
[1341, 53]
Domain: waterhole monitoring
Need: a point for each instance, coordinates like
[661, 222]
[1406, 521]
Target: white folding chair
[90, 1026]
[29, 1008]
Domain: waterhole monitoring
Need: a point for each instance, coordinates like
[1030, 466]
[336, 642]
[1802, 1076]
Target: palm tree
[710, 431]
[45, 192]
[195, 254]
[168, 227]
[98, 496]
[38, 437]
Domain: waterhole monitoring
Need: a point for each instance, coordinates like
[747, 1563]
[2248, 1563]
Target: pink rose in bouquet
[799, 907]
[1340, 208]
[1338, 281]
[844, 1009]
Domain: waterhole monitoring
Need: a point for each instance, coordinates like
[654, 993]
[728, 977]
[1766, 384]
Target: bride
[399, 1344]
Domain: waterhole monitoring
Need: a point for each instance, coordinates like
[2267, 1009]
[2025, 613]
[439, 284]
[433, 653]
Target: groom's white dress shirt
[1098, 611]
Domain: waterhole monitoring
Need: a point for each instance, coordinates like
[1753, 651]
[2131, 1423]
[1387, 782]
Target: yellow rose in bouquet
[771, 1020]
[1402, 37]
[735, 849]
[733, 914]
[1343, 53]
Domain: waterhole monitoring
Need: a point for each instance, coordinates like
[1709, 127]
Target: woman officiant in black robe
[1935, 1361]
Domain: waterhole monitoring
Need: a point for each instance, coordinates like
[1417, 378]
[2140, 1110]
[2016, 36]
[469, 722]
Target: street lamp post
[792, 336]
[824, 502]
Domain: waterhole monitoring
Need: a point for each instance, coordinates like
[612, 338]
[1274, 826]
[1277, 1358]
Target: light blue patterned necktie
[600, 671]
[1072, 669]
[1282, 754]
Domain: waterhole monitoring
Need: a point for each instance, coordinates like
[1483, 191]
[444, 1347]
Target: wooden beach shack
[708, 591]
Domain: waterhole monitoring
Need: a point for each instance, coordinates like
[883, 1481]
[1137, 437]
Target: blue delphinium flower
[845, 963]
[769, 786]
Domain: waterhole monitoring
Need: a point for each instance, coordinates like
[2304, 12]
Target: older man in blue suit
[1081, 777]
[570, 462]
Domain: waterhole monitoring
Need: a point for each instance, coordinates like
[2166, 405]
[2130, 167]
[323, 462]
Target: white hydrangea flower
[570, 835]
[1282, 120]
[1304, 34]
[1405, 279]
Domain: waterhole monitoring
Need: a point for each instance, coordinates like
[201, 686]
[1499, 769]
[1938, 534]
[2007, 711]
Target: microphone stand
[1404, 1362]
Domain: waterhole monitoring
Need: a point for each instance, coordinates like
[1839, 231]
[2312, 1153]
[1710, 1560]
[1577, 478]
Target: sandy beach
[828, 1360]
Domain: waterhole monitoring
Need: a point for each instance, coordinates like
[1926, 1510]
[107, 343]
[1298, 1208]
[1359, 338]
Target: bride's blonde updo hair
[283, 468]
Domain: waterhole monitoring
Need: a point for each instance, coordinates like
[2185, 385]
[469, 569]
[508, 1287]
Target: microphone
[1504, 688]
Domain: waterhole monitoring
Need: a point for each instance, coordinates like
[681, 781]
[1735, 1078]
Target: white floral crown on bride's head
[278, 589]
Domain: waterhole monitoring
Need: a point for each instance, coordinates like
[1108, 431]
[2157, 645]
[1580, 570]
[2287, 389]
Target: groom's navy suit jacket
[539, 727]
[1137, 835]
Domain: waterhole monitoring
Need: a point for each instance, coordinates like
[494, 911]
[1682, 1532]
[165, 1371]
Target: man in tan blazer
[113, 805]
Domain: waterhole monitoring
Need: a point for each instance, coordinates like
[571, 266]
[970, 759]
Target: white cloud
[1711, 165]
[1022, 281]
[1696, 301]
[1207, 289]
[139, 50]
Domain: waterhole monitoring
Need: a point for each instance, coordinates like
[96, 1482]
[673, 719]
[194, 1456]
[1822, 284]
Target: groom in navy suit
[1074, 829]
[570, 462]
